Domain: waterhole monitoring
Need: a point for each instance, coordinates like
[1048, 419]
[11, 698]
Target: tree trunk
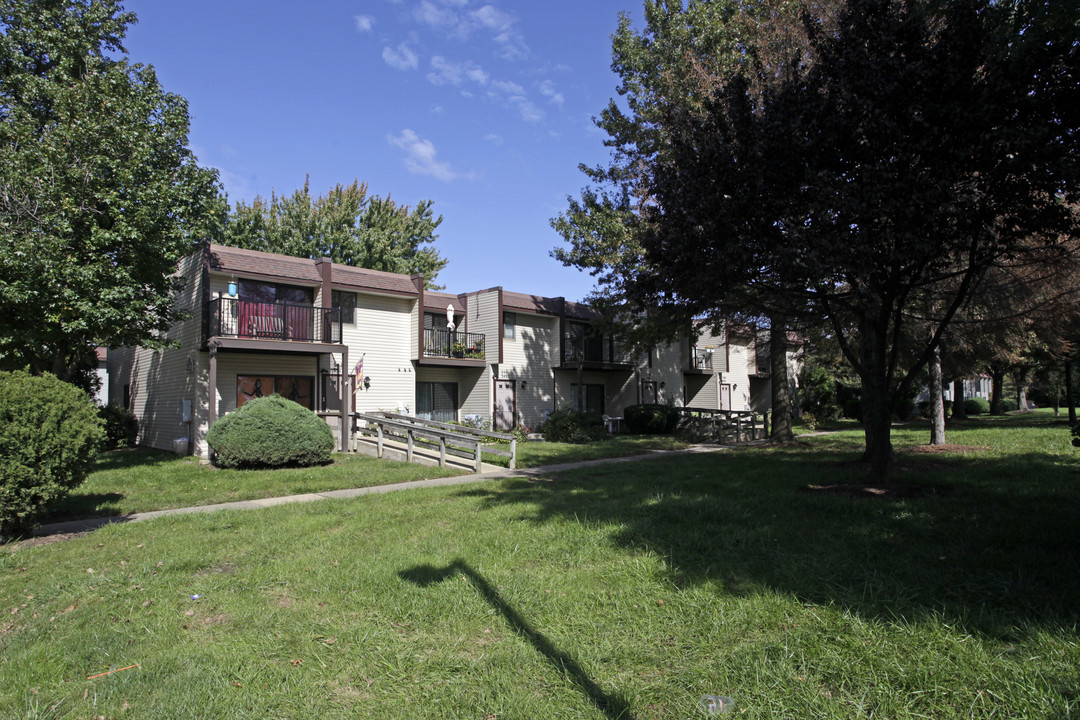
[876, 408]
[958, 411]
[937, 401]
[781, 390]
[1069, 392]
[997, 381]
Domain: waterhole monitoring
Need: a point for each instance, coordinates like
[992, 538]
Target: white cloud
[420, 155]
[494, 138]
[431, 14]
[501, 25]
[364, 23]
[444, 72]
[403, 58]
[547, 89]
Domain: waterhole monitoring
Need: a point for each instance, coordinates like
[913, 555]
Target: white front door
[505, 405]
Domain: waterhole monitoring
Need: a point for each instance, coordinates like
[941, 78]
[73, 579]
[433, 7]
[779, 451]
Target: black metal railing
[453, 344]
[596, 350]
[701, 359]
[230, 317]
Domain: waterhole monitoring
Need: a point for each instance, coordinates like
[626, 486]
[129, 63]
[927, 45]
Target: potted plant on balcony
[457, 349]
[476, 350]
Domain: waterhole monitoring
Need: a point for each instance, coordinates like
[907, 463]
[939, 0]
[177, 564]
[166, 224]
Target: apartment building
[339, 339]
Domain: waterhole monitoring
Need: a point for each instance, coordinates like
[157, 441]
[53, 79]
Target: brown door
[505, 405]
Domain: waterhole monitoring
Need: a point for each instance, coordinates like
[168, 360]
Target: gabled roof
[531, 303]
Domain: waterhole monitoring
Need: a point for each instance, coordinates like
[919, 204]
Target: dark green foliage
[651, 419]
[1075, 431]
[1008, 405]
[121, 427]
[573, 426]
[49, 435]
[853, 409]
[270, 432]
[976, 406]
[818, 392]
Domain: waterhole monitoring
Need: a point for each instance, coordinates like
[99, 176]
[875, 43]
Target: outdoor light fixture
[232, 289]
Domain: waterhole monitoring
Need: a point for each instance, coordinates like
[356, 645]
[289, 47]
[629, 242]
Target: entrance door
[505, 405]
[648, 392]
[725, 396]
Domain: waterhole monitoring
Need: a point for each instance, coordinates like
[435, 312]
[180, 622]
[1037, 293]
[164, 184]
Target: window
[346, 302]
[295, 388]
[436, 401]
[594, 398]
[509, 325]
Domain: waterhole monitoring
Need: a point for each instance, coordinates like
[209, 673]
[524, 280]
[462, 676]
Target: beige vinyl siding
[483, 312]
[160, 380]
[528, 359]
[709, 340]
[384, 335]
[668, 362]
[703, 391]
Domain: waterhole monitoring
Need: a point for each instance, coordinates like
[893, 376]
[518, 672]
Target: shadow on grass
[996, 552]
[426, 575]
[91, 505]
[126, 458]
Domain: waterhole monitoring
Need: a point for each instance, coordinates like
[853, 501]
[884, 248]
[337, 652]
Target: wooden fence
[446, 438]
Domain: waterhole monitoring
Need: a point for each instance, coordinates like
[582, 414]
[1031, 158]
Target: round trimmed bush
[976, 406]
[270, 432]
[573, 426]
[651, 419]
[49, 436]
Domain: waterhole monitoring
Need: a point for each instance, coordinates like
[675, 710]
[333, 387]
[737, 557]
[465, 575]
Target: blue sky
[483, 106]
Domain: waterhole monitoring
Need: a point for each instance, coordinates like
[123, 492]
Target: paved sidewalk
[76, 526]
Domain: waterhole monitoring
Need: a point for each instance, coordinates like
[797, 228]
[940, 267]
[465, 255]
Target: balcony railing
[453, 344]
[594, 351]
[701, 359]
[230, 317]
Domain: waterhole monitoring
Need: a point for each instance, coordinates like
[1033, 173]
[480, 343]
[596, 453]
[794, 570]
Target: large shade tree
[910, 149]
[99, 193]
[346, 225]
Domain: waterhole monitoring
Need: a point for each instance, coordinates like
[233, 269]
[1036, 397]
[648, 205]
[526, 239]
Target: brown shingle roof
[437, 302]
[361, 279]
[269, 265]
[531, 303]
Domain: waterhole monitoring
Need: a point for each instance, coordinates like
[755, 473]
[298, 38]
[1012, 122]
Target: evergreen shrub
[121, 427]
[50, 433]
[976, 406]
[573, 426]
[651, 419]
[270, 432]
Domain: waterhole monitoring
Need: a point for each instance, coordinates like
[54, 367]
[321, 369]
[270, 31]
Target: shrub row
[573, 426]
[648, 419]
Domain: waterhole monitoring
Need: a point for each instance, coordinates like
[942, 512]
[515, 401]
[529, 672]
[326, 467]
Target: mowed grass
[141, 480]
[626, 591]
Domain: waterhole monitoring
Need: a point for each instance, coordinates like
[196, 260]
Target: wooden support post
[409, 445]
[442, 451]
[378, 428]
[513, 454]
[478, 463]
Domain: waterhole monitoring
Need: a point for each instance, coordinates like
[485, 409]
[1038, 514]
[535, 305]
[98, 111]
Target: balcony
[233, 318]
[595, 353]
[453, 345]
[701, 360]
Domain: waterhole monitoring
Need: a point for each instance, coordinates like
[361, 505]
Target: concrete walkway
[77, 526]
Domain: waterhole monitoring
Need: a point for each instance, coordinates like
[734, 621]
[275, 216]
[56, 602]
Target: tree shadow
[990, 545]
[612, 706]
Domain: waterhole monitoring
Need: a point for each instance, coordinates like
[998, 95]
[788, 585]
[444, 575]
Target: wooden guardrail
[449, 439]
[735, 425]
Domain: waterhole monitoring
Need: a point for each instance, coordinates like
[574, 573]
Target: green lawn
[626, 590]
[129, 481]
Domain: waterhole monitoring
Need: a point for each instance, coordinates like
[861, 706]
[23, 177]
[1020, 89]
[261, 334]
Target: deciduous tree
[345, 225]
[99, 192]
